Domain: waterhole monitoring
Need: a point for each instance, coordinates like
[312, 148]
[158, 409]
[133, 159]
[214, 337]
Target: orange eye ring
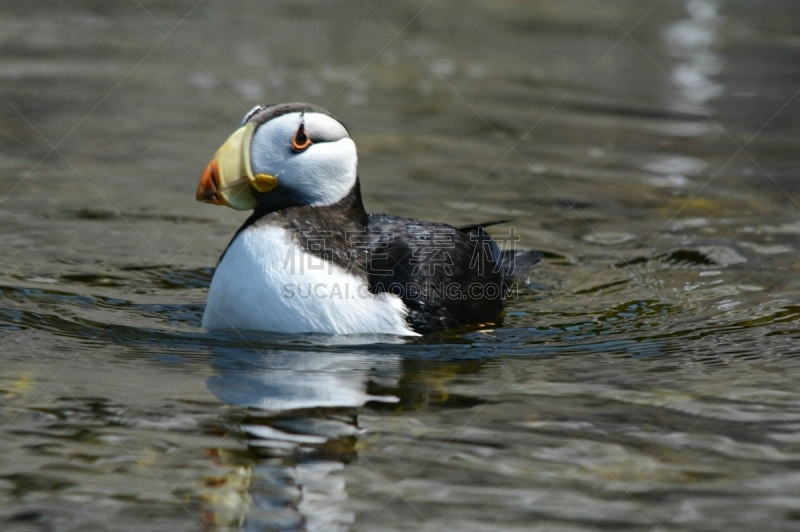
[301, 142]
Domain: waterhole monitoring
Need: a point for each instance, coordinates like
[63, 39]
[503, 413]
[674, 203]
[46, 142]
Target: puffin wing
[446, 276]
[475, 227]
[516, 262]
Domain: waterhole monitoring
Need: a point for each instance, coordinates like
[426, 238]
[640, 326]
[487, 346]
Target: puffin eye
[300, 142]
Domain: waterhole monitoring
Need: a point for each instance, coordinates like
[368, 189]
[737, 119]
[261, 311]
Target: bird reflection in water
[301, 428]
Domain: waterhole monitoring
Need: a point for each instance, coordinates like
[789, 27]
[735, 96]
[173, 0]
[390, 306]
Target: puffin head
[282, 155]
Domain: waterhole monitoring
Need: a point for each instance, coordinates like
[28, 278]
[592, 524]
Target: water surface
[646, 378]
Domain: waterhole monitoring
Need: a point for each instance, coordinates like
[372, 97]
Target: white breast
[266, 282]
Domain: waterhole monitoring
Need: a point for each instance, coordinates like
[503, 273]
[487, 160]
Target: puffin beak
[228, 178]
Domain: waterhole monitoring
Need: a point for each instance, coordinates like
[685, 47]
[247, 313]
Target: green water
[646, 377]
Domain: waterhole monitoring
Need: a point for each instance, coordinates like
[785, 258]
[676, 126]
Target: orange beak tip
[207, 190]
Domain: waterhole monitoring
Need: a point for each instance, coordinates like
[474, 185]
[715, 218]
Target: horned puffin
[310, 259]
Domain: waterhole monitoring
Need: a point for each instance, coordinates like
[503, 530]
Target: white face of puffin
[309, 155]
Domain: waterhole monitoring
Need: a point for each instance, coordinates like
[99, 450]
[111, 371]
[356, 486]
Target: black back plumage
[446, 277]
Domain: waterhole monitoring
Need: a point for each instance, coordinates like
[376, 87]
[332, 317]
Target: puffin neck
[346, 215]
[346, 212]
